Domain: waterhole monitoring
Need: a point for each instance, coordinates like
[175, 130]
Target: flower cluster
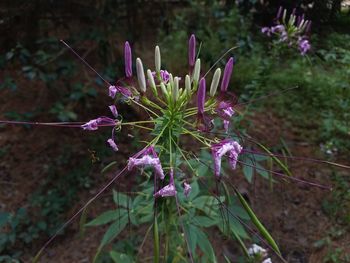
[293, 32]
[167, 100]
[259, 254]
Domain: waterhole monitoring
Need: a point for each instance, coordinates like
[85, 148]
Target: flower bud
[163, 88]
[151, 82]
[279, 12]
[171, 80]
[197, 71]
[188, 84]
[284, 15]
[127, 60]
[227, 75]
[140, 75]
[201, 96]
[215, 82]
[192, 50]
[157, 58]
[176, 89]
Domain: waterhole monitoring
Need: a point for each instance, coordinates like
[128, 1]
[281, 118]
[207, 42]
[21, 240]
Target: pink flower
[101, 121]
[227, 146]
[113, 90]
[168, 190]
[148, 158]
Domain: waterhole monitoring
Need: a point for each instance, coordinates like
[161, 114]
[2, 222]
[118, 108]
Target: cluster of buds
[293, 32]
[167, 100]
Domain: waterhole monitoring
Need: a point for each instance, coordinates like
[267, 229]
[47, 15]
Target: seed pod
[215, 82]
[140, 75]
[157, 59]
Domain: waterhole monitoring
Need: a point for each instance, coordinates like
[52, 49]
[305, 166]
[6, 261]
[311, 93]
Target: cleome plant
[292, 32]
[184, 193]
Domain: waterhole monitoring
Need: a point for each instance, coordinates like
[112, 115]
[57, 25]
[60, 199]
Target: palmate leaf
[107, 217]
[258, 224]
[112, 232]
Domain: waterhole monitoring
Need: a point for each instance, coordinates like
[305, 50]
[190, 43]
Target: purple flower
[225, 111]
[114, 111]
[227, 75]
[113, 90]
[277, 29]
[101, 121]
[168, 190]
[192, 50]
[227, 146]
[148, 158]
[187, 189]
[128, 60]
[164, 75]
[266, 30]
[112, 144]
[304, 46]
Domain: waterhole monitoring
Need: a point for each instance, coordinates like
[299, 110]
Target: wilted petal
[220, 149]
[112, 144]
[114, 111]
[91, 125]
[112, 91]
[147, 160]
[168, 190]
[187, 189]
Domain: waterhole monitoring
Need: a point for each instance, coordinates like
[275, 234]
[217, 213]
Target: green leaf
[191, 236]
[118, 257]
[248, 170]
[107, 217]
[204, 244]
[258, 224]
[4, 218]
[121, 199]
[114, 230]
[204, 221]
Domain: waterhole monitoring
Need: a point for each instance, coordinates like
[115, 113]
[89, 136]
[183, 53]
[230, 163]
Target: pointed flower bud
[227, 75]
[192, 50]
[176, 89]
[140, 75]
[171, 80]
[157, 58]
[201, 96]
[151, 79]
[279, 12]
[188, 84]
[127, 60]
[197, 71]
[215, 82]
